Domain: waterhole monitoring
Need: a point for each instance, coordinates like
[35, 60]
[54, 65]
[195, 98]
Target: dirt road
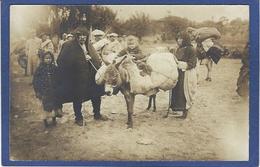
[216, 127]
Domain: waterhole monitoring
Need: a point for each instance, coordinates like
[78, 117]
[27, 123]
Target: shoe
[184, 115]
[208, 79]
[54, 122]
[45, 122]
[101, 117]
[79, 122]
[58, 113]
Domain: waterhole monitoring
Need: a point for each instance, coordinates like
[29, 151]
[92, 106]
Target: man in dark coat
[77, 65]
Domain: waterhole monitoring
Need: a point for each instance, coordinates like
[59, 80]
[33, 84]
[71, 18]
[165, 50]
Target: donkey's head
[112, 76]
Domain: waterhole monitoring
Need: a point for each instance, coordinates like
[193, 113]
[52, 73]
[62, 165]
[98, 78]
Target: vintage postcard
[129, 85]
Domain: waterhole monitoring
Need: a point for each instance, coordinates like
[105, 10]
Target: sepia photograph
[129, 83]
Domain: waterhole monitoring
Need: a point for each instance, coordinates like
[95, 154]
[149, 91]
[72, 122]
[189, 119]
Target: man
[114, 46]
[77, 65]
[61, 42]
[31, 50]
[46, 45]
[99, 40]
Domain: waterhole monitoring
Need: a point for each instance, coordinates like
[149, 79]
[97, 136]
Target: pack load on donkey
[202, 36]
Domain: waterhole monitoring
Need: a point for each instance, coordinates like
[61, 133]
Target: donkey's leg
[154, 102]
[150, 103]
[209, 66]
[129, 98]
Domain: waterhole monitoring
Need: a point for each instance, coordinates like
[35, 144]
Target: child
[139, 58]
[132, 49]
[44, 86]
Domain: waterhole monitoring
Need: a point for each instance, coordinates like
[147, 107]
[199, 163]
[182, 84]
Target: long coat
[76, 75]
[44, 85]
[178, 100]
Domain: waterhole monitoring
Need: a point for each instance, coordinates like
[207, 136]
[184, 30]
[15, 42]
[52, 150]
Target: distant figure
[207, 61]
[44, 86]
[99, 41]
[61, 42]
[69, 37]
[243, 79]
[31, 50]
[114, 46]
[46, 44]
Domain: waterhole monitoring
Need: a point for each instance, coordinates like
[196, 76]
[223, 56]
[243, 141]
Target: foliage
[138, 24]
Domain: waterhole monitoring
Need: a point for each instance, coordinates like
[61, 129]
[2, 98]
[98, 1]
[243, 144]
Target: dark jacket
[44, 84]
[76, 75]
[184, 53]
[135, 52]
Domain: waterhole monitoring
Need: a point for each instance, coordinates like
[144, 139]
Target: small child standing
[44, 87]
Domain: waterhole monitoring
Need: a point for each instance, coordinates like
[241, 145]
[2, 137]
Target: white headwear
[97, 32]
[113, 35]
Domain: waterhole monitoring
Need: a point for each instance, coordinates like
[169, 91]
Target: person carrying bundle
[208, 49]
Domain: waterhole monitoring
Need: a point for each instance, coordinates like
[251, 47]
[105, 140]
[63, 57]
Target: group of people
[71, 76]
[36, 46]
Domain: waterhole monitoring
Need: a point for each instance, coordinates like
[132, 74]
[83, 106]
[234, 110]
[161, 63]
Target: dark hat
[81, 30]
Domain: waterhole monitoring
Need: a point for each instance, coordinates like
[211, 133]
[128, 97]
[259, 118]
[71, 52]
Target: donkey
[125, 75]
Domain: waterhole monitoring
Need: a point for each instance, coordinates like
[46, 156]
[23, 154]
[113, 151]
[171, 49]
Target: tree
[138, 24]
[173, 24]
[64, 19]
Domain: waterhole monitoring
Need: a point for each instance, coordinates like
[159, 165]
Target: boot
[100, 117]
[45, 122]
[79, 122]
[54, 122]
[58, 113]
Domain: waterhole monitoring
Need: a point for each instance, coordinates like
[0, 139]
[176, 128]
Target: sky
[192, 12]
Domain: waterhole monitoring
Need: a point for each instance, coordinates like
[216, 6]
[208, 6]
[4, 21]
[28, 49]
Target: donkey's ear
[118, 63]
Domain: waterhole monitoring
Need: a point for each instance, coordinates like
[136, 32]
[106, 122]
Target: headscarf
[47, 53]
[186, 38]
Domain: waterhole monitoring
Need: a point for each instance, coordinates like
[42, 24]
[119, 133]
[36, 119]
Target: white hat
[97, 32]
[69, 35]
[113, 35]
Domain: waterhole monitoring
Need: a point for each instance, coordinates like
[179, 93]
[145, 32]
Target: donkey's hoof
[154, 110]
[129, 126]
[165, 116]
[208, 79]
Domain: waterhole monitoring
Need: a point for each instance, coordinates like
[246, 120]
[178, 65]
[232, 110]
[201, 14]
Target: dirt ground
[216, 127]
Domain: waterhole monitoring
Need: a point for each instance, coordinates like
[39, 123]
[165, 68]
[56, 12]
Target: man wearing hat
[114, 46]
[99, 41]
[77, 65]
[98, 35]
[61, 42]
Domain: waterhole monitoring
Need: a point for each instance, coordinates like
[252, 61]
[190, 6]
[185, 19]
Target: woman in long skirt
[183, 93]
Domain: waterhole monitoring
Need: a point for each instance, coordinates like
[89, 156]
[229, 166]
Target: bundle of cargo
[204, 33]
[204, 36]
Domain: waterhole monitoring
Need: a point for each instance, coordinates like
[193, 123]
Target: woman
[183, 93]
[243, 79]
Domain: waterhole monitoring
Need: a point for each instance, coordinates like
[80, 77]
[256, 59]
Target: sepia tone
[217, 124]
